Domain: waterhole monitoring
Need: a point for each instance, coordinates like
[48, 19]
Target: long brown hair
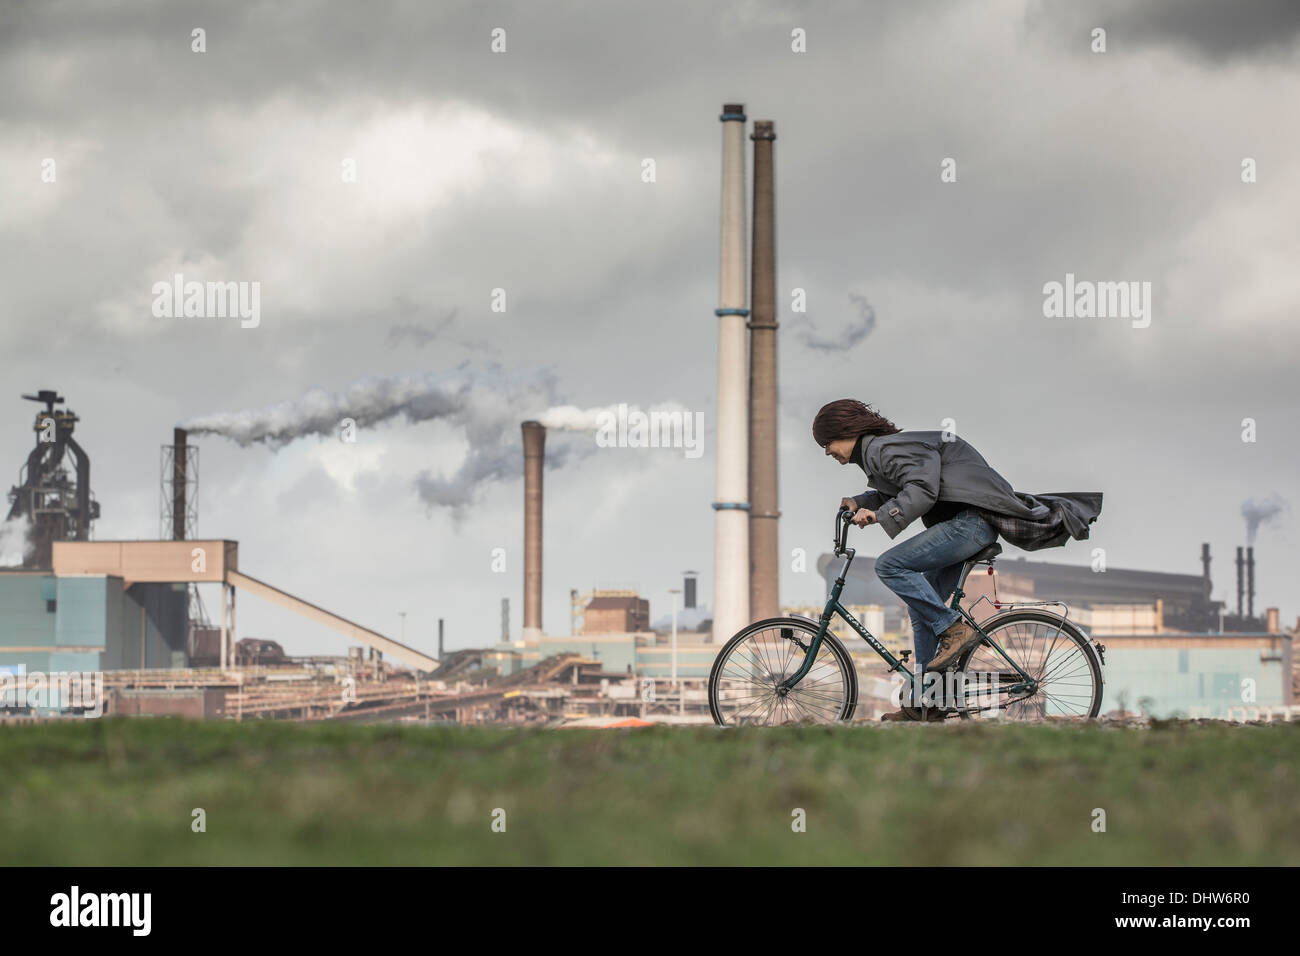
[849, 418]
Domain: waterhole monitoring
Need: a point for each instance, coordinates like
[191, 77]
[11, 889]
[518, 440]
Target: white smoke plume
[1261, 512]
[15, 541]
[478, 400]
[575, 419]
[486, 403]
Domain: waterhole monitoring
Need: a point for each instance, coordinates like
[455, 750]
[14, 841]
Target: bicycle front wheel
[1058, 657]
[744, 685]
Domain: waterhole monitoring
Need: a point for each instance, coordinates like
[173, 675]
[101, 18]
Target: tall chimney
[1250, 582]
[505, 620]
[439, 638]
[179, 452]
[534, 457]
[730, 521]
[1240, 567]
[688, 590]
[764, 564]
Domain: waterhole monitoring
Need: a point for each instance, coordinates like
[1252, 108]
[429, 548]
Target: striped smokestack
[534, 457]
[765, 577]
[730, 521]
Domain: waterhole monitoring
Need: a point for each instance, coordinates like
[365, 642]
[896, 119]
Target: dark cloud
[1213, 29]
[418, 334]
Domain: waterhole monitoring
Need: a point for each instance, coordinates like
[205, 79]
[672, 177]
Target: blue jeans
[923, 571]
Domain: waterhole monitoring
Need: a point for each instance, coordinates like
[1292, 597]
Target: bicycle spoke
[747, 684]
[1053, 656]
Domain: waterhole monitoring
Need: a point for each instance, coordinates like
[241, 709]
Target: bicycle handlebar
[842, 525]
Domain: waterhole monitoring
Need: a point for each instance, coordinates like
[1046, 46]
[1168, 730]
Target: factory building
[80, 605]
[612, 612]
[645, 654]
[1164, 601]
[109, 605]
[613, 629]
[54, 623]
[1197, 675]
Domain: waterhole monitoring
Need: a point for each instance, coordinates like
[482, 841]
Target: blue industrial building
[55, 623]
[1196, 675]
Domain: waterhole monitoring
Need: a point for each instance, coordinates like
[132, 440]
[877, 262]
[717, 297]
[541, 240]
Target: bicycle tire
[983, 655]
[838, 653]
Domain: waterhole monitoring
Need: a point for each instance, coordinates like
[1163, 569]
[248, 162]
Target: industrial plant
[133, 609]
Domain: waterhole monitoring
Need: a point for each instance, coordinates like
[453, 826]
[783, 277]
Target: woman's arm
[869, 499]
[913, 467]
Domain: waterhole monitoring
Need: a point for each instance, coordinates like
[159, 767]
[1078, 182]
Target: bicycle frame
[834, 607]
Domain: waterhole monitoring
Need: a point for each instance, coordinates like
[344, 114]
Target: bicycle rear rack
[999, 606]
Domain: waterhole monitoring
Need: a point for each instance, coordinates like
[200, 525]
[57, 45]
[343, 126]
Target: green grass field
[121, 791]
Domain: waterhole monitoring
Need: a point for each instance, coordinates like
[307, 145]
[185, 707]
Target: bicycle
[1031, 663]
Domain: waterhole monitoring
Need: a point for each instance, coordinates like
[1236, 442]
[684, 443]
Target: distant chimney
[1241, 565]
[1250, 582]
[505, 620]
[1206, 587]
[534, 458]
[439, 638]
[179, 442]
[688, 590]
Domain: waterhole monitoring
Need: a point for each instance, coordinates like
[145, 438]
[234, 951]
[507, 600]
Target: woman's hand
[864, 518]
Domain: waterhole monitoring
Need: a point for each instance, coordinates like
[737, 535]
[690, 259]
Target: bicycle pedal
[902, 660]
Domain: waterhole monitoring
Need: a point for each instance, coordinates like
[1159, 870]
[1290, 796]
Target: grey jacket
[911, 470]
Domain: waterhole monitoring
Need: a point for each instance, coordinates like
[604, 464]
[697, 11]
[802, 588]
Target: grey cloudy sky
[522, 170]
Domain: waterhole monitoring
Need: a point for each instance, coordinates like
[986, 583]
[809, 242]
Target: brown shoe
[914, 713]
[952, 642]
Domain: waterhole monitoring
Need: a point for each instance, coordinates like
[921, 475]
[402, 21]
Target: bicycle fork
[809, 655]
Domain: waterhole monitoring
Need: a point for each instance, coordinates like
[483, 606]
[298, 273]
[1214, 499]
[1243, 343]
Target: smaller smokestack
[505, 620]
[1250, 583]
[439, 638]
[534, 434]
[1206, 587]
[179, 452]
[1241, 565]
[688, 590]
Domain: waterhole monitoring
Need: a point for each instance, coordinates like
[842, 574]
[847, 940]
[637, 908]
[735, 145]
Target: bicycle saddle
[988, 554]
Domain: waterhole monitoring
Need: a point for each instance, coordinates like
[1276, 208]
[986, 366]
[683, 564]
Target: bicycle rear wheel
[743, 685]
[1053, 652]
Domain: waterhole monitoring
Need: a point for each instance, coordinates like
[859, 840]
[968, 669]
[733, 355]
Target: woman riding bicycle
[964, 505]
